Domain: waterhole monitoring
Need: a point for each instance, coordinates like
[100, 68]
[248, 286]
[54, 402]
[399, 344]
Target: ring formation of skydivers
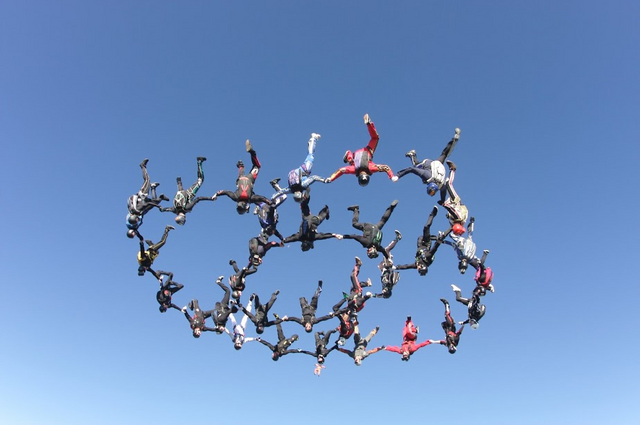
[350, 305]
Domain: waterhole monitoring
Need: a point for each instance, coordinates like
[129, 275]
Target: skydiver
[361, 161]
[300, 178]
[221, 311]
[322, 340]
[452, 337]
[318, 369]
[308, 231]
[167, 289]
[346, 328]
[268, 216]
[237, 281]
[355, 299]
[260, 315]
[425, 252]
[457, 212]
[409, 338]
[464, 248]
[281, 347]
[360, 351]
[475, 308]
[371, 237]
[139, 203]
[430, 171]
[147, 257]
[258, 247]
[199, 318]
[238, 336]
[484, 276]
[185, 200]
[309, 318]
[244, 196]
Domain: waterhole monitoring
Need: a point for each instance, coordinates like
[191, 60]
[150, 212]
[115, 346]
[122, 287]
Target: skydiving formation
[336, 327]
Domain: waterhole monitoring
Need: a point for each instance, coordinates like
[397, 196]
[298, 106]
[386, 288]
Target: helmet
[236, 294]
[297, 196]
[372, 252]
[162, 309]
[242, 207]
[133, 219]
[237, 345]
[320, 358]
[452, 349]
[462, 266]
[432, 188]
[422, 269]
[131, 233]
[473, 323]
[181, 219]
[306, 245]
[363, 179]
[458, 229]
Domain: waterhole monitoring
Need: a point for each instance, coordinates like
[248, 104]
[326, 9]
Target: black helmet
[242, 207]
[131, 233]
[363, 179]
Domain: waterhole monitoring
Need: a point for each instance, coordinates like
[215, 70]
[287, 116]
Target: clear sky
[546, 95]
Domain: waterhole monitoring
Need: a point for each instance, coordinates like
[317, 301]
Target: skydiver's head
[358, 360]
[256, 260]
[363, 178]
[458, 229]
[308, 327]
[372, 252]
[237, 344]
[306, 245]
[320, 358]
[162, 309]
[219, 329]
[131, 233]
[236, 294]
[260, 329]
[405, 355]
[181, 218]
[196, 333]
[452, 349]
[298, 196]
[462, 266]
[242, 207]
[275, 356]
[133, 219]
[432, 188]
[473, 323]
[422, 269]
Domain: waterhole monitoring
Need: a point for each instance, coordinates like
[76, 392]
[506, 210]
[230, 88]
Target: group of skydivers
[359, 163]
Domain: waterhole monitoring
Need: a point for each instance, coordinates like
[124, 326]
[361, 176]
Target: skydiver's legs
[303, 303]
[448, 149]
[355, 283]
[323, 215]
[144, 190]
[355, 221]
[179, 184]
[373, 133]
[314, 299]
[280, 332]
[233, 264]
[272, 300]
[227, 293]
[426, 230]
[371, 334]
[387, 214]
[196, 186]
[157, 246]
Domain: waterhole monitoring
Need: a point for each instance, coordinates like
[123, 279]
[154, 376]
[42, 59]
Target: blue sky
[545, 94]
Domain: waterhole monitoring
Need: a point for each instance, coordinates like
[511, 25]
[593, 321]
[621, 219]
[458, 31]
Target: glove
[394, 179]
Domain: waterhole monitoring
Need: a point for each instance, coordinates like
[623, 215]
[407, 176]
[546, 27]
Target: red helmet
[458, 229]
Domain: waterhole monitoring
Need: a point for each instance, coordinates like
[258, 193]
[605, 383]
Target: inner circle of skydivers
[359, 163]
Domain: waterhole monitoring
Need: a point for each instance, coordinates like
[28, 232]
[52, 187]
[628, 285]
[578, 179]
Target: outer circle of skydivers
[299, 180]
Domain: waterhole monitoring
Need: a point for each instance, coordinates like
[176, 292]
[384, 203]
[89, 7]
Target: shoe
[256, 210]
[201, 159]
[240, 164]
[274, 183]
[171, 228]
[164, 198]
[451, 165]
[394, 203]
[154, 185]
[455, 288]
[353, 208]
[410, 154]
[358, 261]
[248, 145]
[398, 235]
[252, 297]
[327, 216]
[345, 158]
[368, 282]
[143, 164]
[367, 120]
[276, 316]
[277, 292]
[315, 136]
